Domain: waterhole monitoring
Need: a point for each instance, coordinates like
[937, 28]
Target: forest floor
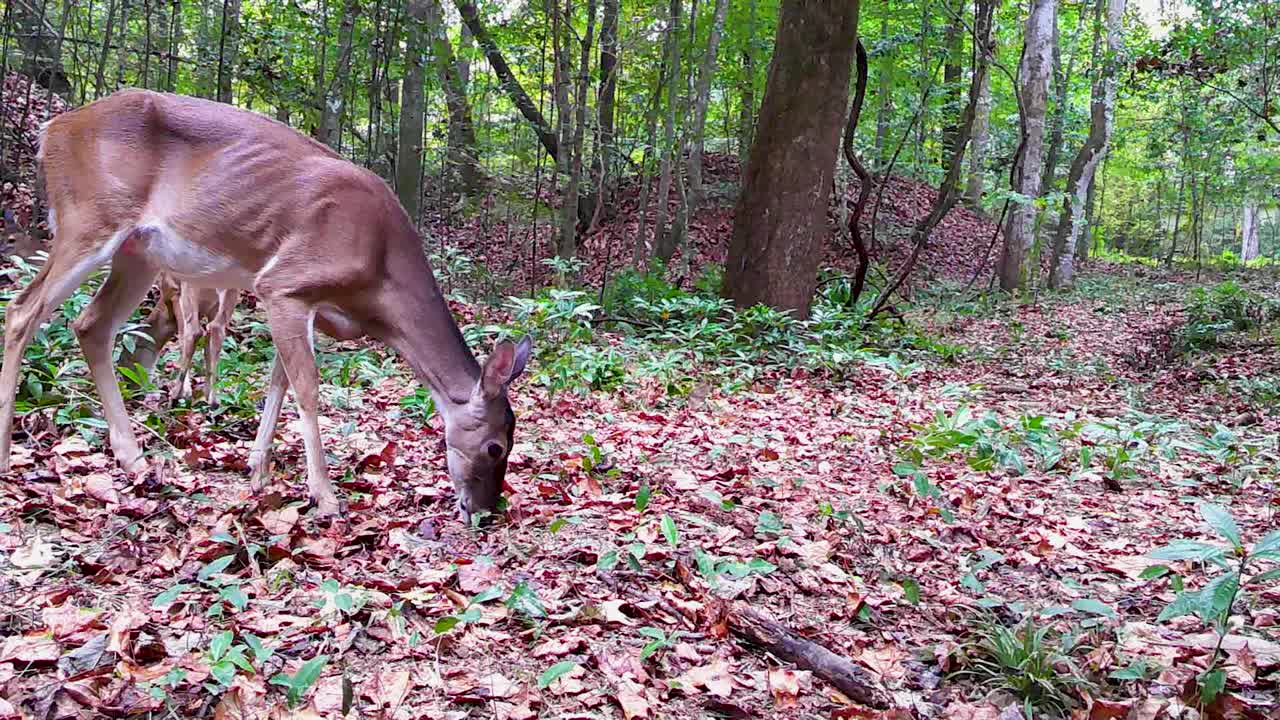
[900, 515]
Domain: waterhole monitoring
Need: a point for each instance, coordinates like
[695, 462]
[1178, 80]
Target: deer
[178, 313]
[224, 198]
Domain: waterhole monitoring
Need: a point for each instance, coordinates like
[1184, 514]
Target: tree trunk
[508, 80]
[41, 45]
[952, 90]
[884, 86]
[1249, 227]
[333, 97]
[1037, 60]
[747, 110]
[701, 100]
[228, 49]
[409, 145]
[463, 159]
[975, 186]
[1080, 180]
[643, 248]
[568, 247]
[781, 219]
[663, 247]
[606, 107]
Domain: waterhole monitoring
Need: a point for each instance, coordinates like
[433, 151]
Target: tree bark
[952, 90]
[228, 50]
[333, 97]
[664, 248]
[606, 107]
[463, 159]
[781, 218]
[643, 248]
[1080, 179]
[1249, 227]
[1037, 61]
[975, 187]
[884, 87]
[568, 247]
[409, 145]
[706, 73]
[41, 49]
[507, 79]
[747, 108]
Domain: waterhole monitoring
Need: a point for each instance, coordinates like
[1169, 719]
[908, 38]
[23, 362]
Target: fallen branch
[772, 636]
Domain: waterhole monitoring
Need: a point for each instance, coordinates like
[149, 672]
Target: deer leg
[162, 326]
[260, 456]
[291, 330]
[215, 333]
[52, 285]
[188, 333]
[96, 328]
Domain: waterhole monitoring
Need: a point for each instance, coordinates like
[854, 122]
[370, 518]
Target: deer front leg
[260, 456]
[96, 328]
[188, 333]
[290, 321]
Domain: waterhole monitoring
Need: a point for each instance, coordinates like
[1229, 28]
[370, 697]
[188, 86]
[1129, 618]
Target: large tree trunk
[975, 186]
[664, 248]
[510, 84]
[1037, 61]
[1080, 180]
[1249, 227]
[333, 96]
[228, 50]
[409, 146]
[781, 220]
[463, 160]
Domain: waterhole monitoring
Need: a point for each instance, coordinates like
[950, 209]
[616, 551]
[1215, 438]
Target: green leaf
[670, 532]
[1094, 607]
[525, 600]
[169, 596]
[607, 561]
[261, 653]
[1184, 604]
[219, 644]
[235, 596]
[1212, 684]
[1153, 572]
[554, 672]
[215, 567]
[1187, 550]
[446, 623]
[768, 523]
[642, 497]
[1219, 518]
[485, 596]
[910, 589]
[344, 602]
[1268, 544]
[298, 683]
[224, 672]
[1268, 576]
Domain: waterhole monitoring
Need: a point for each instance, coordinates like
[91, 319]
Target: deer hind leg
[260, 456]
[96, 328]
[188, 333]
[291, 329]
[215, 333]
[162, 326]
[65, 270]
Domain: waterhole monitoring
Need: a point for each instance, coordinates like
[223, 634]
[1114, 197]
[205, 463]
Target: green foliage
[1213, 313]
[1032, 662]
[297, 684]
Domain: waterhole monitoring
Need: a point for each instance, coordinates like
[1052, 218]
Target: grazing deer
[224, 198]
[178, 313]
[23, 242]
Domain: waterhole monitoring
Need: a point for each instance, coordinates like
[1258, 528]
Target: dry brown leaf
[66, 620]
[279, 522]
[784, 685]
[39, 647]
[631, 696]
[478, 576]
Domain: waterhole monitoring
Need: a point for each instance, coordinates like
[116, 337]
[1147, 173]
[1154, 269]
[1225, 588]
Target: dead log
[772, 636]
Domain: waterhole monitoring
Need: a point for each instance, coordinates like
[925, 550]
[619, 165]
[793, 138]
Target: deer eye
[495, 450]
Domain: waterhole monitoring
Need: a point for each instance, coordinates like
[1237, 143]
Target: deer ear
[524, 349]
[497, 369]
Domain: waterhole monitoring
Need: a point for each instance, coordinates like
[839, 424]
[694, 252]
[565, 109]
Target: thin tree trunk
[885, 90]
[643, 248]
[510, 85]
[569, 212]
[952, 90]
[606, 108]
[228, 49]
[976, 185]
[663, 247]
[1080, 179]
[409, 145]
[700, 103]
[462, 155]
[100, 75]
[333, 101]
[747, 108]
[1037, 61]
[1249, 227]
[41, 46]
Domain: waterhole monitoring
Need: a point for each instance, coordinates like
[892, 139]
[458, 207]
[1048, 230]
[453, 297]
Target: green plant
[470, 613]
[297, 684]
[1225, 308]
[657, 641]
[1215, 600]
[1032, 662]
